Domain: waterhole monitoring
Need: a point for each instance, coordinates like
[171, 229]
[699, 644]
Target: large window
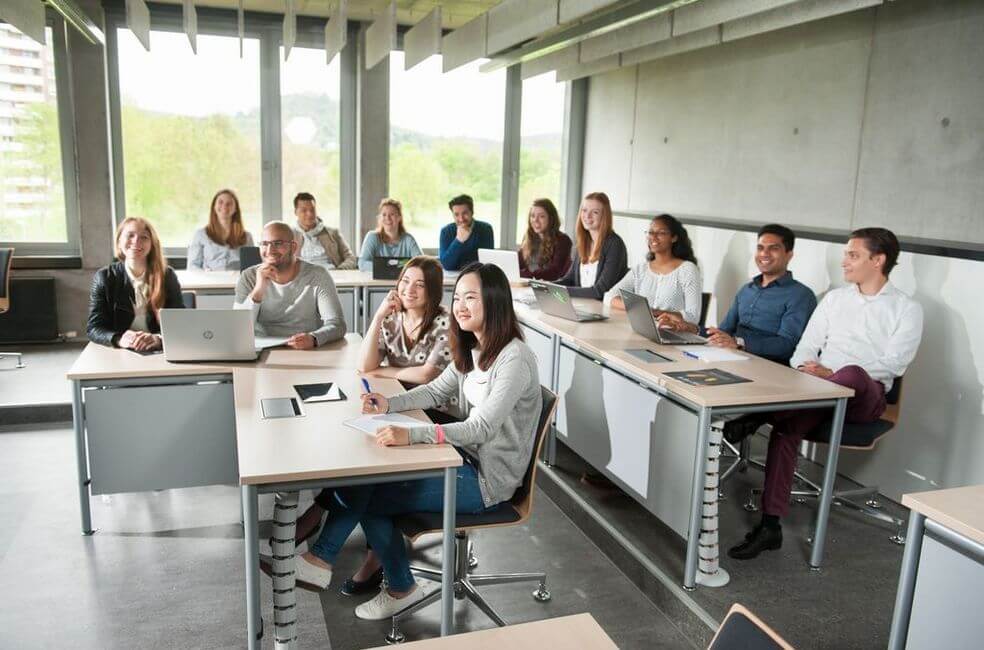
[540, 145]
[190, 126]
[445, 139]
[309, 114]
[32, 188]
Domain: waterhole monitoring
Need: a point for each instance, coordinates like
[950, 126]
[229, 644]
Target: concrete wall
[833, 124]
[869, 117]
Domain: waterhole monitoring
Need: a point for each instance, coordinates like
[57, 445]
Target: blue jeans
[376, 506]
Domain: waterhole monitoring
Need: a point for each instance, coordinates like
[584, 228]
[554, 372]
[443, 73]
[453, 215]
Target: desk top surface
[101, 362]
[609, 339]
[959, 509]
[317, 445]
[561, 633]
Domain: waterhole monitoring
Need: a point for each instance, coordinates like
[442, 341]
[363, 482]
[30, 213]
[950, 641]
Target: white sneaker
[310, 574]
[383, 606]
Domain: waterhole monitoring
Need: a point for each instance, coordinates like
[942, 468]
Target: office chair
[518, 511]
[743, 629]
[6, 260]
[189, 299]
[859, 436]
[705, 302]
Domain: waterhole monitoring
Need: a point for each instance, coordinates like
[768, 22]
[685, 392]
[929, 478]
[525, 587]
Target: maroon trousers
[789, 427]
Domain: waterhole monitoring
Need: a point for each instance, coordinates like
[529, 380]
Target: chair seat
[415, 523]
[854, 434]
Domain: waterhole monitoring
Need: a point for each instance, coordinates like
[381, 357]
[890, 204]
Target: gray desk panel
[642, 441]
[156, 437]
[214, 300]
[542, 346]
[350, 308]
[946, 605]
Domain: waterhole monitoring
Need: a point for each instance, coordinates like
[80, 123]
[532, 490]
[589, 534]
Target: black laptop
[387, 268]
[249, 256]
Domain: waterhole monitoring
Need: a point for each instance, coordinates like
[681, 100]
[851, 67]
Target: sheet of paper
[708, 353]
[371, 423]
[264, 342]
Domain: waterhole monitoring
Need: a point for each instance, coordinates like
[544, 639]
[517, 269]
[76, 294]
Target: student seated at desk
[669, 278]
[390, 238]
[599, 254]
[216, 246]
[494, 376]
[288, 296]
[861, 336]
[317, 243]
[461, 239]
[127, 296]
[410, 333]
[546, 250]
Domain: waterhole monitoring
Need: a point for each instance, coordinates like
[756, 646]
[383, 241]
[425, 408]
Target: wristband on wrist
[439, 430]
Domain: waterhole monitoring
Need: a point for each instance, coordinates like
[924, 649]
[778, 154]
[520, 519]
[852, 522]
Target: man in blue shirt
[461, 239]
[769, 314]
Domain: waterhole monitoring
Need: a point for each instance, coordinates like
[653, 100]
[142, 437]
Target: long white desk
[142, 423]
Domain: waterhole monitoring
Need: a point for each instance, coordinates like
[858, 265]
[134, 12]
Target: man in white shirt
[861, 336]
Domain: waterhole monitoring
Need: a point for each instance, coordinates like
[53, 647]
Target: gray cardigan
[499, 434]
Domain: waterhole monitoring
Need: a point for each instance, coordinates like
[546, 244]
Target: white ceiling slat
[26, 15]
[423, 39]
[706, 13]
[465, 44]
[565, 58]
[290, 27]
[381, 36]
[588, 69]
[573, 9]
[636, 35]
[515, 21]
[692, 41]
[138, 21]
[336, 30]
[190, 22]
[796, 14]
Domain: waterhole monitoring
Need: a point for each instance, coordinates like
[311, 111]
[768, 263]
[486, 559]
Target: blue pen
[365, 384]
[685, 353]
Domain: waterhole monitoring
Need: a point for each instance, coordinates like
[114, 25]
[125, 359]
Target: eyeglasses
[658, 234]
[276, 243]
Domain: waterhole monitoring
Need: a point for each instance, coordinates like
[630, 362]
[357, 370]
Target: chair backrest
[189, 299]
[742, 629]
[522, 499]
[6, 260]
[705, 302]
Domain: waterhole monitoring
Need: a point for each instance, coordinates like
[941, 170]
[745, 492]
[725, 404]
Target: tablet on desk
[280, 407]
[326, 392]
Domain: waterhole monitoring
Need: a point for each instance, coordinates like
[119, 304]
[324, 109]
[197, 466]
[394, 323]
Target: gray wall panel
[608, 136]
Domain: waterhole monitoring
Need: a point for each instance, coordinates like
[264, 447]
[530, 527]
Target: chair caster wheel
[873, 503]
[800, 500]
[472, 561]
[898, 538]
[541, 594]
[395, 636]
[750, 507]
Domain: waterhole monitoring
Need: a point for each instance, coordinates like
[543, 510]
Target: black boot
[740, 428]
[761, 538]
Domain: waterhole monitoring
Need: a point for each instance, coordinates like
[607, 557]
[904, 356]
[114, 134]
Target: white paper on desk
[372, 423]
[709, 353]
[264, 342]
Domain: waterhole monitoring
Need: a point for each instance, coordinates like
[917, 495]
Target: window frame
[65, 107]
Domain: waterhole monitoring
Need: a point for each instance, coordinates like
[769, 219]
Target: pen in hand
[365, 385]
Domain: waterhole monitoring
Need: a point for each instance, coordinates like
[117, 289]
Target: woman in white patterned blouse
[669, 278]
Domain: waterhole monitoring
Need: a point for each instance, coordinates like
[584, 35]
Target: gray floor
[165, 569]
[43, 380]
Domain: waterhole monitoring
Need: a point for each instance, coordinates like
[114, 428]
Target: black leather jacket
[111, 303]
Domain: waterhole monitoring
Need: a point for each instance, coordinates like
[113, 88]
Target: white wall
[939, 441]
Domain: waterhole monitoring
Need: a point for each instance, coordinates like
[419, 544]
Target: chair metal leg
[481, 603]
[507, 578]
[14, 355]
[426, 574]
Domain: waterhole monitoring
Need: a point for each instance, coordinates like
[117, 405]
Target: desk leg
[447, 554]
[251, 516]
[697, 499]
[78, 422]
[907, 582]
[829, 475]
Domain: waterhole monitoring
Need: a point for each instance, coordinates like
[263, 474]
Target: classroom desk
[657, 458]
[562, 633]
[938, 603]
[199, 425]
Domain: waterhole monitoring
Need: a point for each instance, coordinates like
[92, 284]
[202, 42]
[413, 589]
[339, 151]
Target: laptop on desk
[554, 299]
[508, 261]
[387, 268]
[644, 323]
[192, 335]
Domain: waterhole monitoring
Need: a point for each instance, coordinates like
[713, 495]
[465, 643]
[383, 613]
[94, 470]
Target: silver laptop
[643, 322]
[209, 335]
[554, 299]
[508, 261]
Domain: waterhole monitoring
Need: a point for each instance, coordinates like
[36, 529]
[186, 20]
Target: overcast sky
[171, 78]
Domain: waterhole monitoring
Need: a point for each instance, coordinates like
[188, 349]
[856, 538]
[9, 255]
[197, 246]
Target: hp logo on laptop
[207, 335]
